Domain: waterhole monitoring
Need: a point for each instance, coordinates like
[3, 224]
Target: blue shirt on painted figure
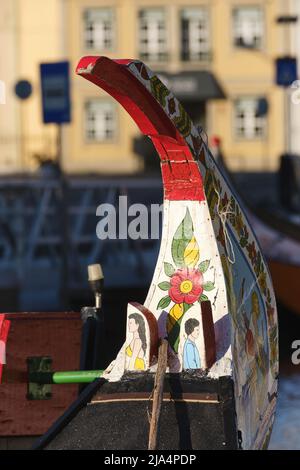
[191, 357]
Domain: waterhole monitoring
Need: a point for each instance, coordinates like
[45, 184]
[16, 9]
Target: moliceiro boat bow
[211, 296]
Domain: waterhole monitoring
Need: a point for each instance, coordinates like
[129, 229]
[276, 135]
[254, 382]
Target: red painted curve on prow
[181, 176]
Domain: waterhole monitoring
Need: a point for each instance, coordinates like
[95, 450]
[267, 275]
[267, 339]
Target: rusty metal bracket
[35, 366]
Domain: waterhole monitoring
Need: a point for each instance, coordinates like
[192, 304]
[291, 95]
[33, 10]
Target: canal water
[286, 431]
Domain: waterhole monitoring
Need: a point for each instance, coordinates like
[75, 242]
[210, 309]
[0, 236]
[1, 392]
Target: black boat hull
[197, 413]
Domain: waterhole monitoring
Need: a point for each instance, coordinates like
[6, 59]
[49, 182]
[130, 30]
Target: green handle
[74, 376]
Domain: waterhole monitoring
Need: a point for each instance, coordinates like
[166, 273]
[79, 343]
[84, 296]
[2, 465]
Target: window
[195, 37]
[153, 34]
[250, 118]
[248, 27]
[98, 29]
[100, 120]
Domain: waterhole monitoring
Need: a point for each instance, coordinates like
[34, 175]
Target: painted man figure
[191, 357]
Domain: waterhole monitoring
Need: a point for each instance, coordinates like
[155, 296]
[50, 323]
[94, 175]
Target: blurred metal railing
[31, 236]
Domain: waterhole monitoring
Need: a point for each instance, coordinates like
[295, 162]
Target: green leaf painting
[186, 307]
[169, 269]
[203, 298]
[165, 285]
[182, 238]
[204, 265]
[164, 302]
[208, 286]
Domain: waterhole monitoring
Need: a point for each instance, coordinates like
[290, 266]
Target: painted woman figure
[191, 356]
[136, 349]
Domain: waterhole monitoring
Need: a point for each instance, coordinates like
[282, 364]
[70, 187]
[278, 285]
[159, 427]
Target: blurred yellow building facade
[30, 32]
[229, 44]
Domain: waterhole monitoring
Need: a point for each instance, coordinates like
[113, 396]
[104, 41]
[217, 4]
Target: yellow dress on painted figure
[139, 363]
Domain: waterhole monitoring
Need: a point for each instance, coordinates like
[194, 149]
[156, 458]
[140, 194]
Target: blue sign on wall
[55, 92]
[286, 71]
